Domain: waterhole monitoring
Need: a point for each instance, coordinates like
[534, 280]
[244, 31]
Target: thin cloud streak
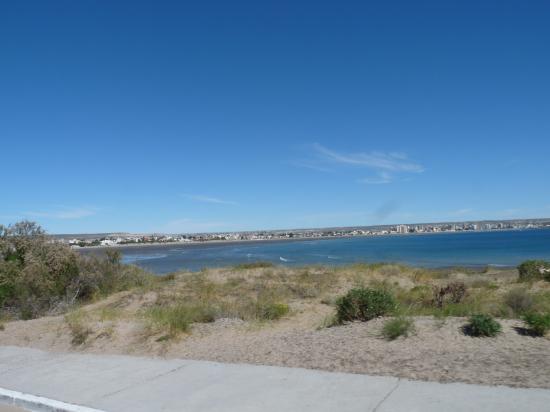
[209, 199]
[383, 178]
[390, 162]
[387, 166]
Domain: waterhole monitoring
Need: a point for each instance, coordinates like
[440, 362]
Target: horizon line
[314, 228]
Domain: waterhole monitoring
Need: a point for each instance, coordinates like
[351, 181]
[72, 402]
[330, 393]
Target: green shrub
[482, 325]
[178, 318]
[539, 323]
[519, 300]
[396, 327]
[364, 304]
[534, 270]
[253, 265]
[272, 311]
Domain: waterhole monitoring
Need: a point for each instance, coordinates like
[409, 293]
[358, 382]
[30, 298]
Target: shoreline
[294, 239]
[472, 249]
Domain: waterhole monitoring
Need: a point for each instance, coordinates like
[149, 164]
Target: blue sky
[206, 116]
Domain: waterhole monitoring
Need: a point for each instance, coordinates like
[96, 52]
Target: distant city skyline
[191, 117]
[392, 227]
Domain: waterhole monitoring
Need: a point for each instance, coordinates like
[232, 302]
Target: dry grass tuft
[78, 326]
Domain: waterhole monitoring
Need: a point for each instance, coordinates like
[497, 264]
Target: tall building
[402, 229]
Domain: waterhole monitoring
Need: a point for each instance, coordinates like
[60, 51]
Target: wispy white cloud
[62, 213]
[387, 161]
[381, 179]
[209, 199]
[387, 166]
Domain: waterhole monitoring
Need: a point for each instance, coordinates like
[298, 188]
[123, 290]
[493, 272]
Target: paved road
[124, 383]
[8, 408]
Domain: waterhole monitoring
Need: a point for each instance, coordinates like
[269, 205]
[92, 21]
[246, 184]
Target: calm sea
[500, 248]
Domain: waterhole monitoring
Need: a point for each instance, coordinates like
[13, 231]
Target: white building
[402, 229]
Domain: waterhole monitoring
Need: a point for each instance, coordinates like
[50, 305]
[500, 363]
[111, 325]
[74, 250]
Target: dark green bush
[534, 270]
[364, 304]
[539, 323]
[400, 326]
[39, 275]
[482, 325]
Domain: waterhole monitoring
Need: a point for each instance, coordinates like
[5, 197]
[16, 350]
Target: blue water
[502, 248]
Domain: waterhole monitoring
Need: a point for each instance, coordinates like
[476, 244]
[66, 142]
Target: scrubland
[382, 319]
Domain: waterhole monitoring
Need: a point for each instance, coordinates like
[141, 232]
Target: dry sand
[437, 351]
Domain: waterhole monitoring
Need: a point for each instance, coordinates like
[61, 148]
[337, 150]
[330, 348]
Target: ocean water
[499, 248]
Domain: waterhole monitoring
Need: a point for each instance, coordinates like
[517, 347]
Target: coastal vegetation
[482, 325]
[40, 276]
[396, 327]
[364, 304]
[253, 265]
[538, 323]
[534, 270]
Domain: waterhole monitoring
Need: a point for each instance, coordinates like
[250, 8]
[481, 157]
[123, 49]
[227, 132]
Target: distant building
[402, 229]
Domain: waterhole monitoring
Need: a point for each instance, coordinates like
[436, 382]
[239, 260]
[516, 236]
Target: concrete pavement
[124, 383]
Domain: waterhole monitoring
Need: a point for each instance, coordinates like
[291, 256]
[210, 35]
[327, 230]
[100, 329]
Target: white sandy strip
[26, 400]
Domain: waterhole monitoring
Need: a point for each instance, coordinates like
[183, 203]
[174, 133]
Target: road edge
[40, 403]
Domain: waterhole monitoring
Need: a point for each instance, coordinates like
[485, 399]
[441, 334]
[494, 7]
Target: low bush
[453, 292]
[519, 300]
[272, 311]
[482, 325]
[364, 304]
[400, 326]
[253, 265]
[538, 323]
[178, 318]
[78, 326]
[534, 270]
